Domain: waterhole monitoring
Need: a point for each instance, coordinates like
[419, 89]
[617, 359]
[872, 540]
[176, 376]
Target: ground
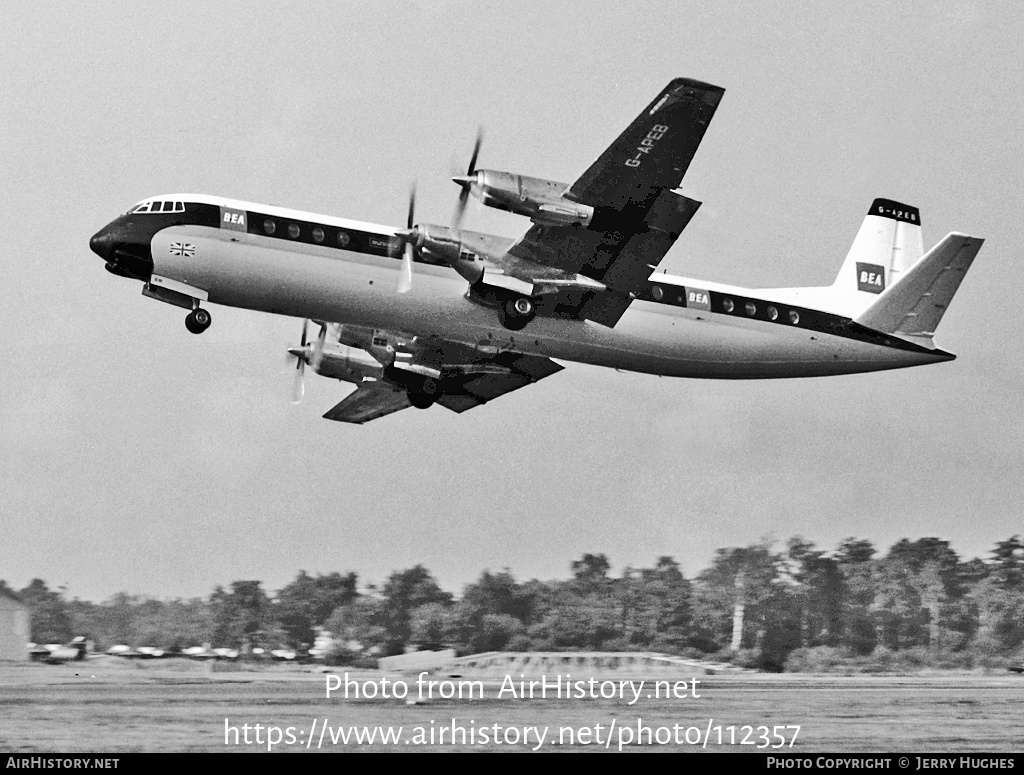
[104, 705]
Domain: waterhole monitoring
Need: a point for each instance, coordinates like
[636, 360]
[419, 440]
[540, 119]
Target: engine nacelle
[347, 363]
[540, 200]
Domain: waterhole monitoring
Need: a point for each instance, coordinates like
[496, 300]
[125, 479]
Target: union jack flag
[183, 249]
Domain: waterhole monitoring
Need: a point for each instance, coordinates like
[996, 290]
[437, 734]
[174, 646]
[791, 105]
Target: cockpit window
[157, 207]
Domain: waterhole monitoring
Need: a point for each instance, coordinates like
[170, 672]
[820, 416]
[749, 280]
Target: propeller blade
[405, 273]
[317, 354]
[460, 208]
[299, 385]
[300, 361]
[476, 152]
[301, 355]
[466, 181]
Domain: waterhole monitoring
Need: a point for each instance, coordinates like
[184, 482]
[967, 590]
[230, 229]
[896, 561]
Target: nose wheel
[198, 320]
[517, 312]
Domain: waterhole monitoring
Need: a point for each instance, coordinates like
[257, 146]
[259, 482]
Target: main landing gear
[423, 398]
[516, 313]
[198, 320]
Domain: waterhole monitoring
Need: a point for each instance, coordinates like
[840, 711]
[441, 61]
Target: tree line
[794, 608]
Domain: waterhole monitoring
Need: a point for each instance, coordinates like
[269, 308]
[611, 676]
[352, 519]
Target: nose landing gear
[198, 320]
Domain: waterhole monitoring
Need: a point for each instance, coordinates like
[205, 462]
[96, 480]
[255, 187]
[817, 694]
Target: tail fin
[912, 307]
[888, 244]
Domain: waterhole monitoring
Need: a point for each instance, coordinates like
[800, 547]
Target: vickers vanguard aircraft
[433, 314]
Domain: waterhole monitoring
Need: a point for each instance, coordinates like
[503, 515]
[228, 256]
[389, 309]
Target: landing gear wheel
[198, 320]
[516, 313]
[421, 401]
[428, 393]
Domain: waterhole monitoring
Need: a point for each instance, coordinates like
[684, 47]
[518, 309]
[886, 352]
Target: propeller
[405, 274]
[301, 355]
[304, 354]
[467, 180]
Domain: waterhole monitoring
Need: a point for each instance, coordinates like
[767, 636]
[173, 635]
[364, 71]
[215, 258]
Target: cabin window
[657, 293]
[318, 234]
[794, 317]
[343, 239]
[751, 308]
[773, 313]
[727, 305]
[293, 230]
[269, 226]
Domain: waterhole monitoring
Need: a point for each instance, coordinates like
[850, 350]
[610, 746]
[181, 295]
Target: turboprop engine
[329, 357]
[538, 199]
[348, 363]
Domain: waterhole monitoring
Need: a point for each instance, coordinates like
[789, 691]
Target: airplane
[58, 653]
[442, 315]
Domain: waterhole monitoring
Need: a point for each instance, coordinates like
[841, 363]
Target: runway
[108, 706]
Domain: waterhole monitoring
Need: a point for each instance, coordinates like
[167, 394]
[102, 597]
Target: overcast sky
[135, 456]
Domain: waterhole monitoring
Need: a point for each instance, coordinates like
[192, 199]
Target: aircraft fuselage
[305, 265]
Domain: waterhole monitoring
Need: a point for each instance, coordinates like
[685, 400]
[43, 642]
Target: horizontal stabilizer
[914, 305]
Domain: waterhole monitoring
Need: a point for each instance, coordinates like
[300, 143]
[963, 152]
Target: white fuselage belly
[307, 281]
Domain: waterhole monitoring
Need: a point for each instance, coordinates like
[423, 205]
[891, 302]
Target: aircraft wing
[654, 152]
[473, 389]
[637, 217]
[369, 401]
[470, 378]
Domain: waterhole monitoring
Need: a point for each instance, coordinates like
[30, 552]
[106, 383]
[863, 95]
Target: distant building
[14, 629]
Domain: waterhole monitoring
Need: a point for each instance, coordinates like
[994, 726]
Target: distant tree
[499, 593]
[359, 626]
[740, 581]
[817, 589]
[655, 605]
[590, 572]
[998, 600]
[1008, 562]
[308, 601]
[433, 626]
[403, 592]
[918, 584]
[241, 617]
[51, 622]
[8, 590]
[854, 560]
[483, 615]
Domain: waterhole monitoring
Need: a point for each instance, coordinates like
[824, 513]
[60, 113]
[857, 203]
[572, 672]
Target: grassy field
[106, 706]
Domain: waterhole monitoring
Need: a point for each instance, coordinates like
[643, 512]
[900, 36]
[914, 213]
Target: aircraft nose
[101, 243]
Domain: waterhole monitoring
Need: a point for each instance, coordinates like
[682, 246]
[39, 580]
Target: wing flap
[478, 389]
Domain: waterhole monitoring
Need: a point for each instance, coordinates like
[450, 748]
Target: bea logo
[232, 219]
[870, 278]
[698, 298]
